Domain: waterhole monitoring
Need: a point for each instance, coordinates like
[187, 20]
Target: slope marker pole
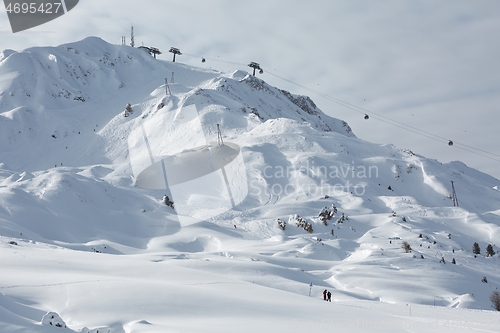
[454, 195]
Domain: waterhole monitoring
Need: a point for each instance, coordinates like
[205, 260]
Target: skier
[329, 295]
[324, 295]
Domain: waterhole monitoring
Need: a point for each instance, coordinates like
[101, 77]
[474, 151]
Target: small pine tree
[453, 261]
[282, 224]
[406, 246]
[489, 251]
[343, 218]
[495, 299]
[323, 216]
[301, 223]
[476, 249]
[166, 200]
[128, 110]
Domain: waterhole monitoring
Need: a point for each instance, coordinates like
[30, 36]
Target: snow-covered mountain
[83, 239]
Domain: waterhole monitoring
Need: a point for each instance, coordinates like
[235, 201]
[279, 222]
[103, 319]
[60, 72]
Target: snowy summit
[142, 195]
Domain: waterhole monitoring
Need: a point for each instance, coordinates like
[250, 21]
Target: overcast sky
[432, 65]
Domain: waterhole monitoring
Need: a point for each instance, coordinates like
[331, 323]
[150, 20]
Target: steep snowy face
[77, 92]
[244, 95]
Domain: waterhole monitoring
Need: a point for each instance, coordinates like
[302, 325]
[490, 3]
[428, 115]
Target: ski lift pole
[219, 136]
[167, 88]
[454, 195]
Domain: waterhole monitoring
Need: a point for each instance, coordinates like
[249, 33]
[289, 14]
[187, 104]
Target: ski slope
[84, 242]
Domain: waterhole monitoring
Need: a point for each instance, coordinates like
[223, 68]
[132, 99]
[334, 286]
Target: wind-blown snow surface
[80, 240]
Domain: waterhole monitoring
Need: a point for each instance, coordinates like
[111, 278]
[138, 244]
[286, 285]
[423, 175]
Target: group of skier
[327, 296]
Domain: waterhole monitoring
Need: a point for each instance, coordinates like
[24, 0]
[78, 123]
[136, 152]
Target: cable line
[214, 59]
[393, 122]
[367, 114]
[455, 128]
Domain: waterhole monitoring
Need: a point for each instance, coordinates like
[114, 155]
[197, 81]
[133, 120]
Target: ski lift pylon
[255, 66]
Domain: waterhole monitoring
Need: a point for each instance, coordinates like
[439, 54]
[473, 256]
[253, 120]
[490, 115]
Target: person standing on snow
[329, 295]
[324, 295]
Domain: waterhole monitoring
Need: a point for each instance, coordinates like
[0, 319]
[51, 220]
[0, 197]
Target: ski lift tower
[175, 51]
[154, 51]
[255, 66]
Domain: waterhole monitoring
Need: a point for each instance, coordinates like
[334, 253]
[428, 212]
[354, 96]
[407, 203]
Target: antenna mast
[132, 39]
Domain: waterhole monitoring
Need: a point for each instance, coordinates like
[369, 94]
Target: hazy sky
[432, 65]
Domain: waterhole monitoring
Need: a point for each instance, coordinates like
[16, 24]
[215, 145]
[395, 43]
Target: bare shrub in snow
[406, 246]
[495, 299]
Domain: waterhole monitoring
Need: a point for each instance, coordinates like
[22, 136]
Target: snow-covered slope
[99, 251]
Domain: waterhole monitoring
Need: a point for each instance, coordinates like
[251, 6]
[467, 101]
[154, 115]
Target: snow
[87, 242]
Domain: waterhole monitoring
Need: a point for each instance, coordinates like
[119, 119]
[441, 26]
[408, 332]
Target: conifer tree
[489, 251]
[476, 249]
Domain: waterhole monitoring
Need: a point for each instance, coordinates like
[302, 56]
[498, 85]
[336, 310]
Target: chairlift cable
[455, 128]
[371, 114]
[395, 122]
[366, 112]
[214, 59]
